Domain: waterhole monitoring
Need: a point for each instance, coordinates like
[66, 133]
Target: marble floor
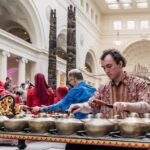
[32, 145]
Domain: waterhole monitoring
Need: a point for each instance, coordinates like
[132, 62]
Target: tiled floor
[34, 145]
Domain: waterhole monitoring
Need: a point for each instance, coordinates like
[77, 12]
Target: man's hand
[121, 106]
[24, 107]
[74, 108]
[36, 109]
[45, 109]
[96, 103]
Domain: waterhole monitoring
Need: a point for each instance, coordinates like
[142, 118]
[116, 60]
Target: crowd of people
[29, 95]
[127, 93]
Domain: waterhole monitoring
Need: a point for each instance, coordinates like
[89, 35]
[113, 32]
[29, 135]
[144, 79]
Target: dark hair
[19, 92]
[7, 78]
[115, 55]
[22, 84]
[30, 85]
[76, 73]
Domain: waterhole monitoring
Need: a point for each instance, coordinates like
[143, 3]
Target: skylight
[142, 5]
[126, 4]
[110, 1]
[113, 6]
[140, 1]
[125, 1]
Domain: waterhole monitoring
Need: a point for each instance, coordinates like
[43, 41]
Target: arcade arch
[62, 46]
[90, 62]
[21, 15]
[21, 19]
[90, 72]
[137, 55]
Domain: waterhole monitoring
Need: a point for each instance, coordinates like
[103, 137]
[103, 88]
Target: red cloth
[41, 94]
[33, 100]
[41, 88]
[61, 93]
[17, 100]
[2, 89]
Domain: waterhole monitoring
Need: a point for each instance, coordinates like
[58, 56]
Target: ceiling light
[142, 5]
[110, 1]
[113, 6]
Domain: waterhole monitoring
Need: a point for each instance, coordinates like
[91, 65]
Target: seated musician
[125, 92]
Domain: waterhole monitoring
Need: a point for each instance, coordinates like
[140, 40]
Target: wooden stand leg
[21, 144]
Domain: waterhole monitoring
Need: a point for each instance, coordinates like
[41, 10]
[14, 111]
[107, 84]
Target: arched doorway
[61, 53]
[62, 46]
[89, 63]
[137, 55]
[89, 68]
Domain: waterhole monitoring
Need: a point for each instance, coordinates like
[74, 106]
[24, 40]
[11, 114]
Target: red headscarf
[2, 89]
[61, 93]
[41, 88]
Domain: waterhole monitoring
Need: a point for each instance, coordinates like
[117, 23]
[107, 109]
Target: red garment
[41, 88]
[61, 93]
[17, 100]
[2, 89]
[33, 100]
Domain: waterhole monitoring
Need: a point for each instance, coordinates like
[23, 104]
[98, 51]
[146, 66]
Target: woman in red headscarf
[41, 93]
[60, 93]
[3, 91]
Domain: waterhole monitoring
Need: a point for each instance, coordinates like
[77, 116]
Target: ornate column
[52, 80]
[3, 64]
[22, 70]
[71, 40]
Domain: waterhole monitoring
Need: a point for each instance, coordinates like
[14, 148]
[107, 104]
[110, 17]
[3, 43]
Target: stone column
[22, 70]
[3, 65]
[58, 77]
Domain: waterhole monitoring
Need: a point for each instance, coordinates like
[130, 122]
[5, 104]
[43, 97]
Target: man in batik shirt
[125, 92]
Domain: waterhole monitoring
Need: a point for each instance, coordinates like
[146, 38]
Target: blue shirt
[79, 94]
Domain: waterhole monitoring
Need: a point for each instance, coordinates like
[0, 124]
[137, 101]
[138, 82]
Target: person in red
[41, 94]
[3, 91]
[60, 93]
[18, 99]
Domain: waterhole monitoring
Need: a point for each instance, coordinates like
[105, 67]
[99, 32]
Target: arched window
[89, 63]
[21, 33]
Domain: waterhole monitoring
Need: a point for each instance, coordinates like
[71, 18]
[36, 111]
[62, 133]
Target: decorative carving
[142, 71]
[71, 40]
[52, 51]
[22, 60]
[5, 53]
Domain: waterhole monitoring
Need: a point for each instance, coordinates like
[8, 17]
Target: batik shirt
[129, 89]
